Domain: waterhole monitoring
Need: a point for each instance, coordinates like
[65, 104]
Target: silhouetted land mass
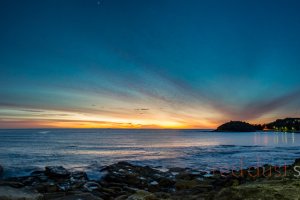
[286, 125]
[236, 126]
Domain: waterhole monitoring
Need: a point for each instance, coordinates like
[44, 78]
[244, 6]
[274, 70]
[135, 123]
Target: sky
[148, 63]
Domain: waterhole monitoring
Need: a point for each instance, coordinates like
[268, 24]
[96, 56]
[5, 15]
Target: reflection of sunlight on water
[43, 132]
[293, 137]
[177, 144]
[195, 149]
[278, 138]
[107, 153]
[167, 144]
[266, 141]
[134, 154]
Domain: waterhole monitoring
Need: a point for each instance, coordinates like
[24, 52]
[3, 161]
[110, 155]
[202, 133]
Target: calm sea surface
[22, 151]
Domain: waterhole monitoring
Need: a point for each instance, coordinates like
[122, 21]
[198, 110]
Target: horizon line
[114, 128]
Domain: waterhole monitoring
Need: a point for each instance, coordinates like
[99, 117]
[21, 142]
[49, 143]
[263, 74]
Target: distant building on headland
[287, 124]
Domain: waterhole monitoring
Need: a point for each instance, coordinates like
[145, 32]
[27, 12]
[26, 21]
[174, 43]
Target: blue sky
[140, 64]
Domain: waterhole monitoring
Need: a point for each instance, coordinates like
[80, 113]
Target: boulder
[10, 193]
[57, 172]
[139, 177]
[79, 175]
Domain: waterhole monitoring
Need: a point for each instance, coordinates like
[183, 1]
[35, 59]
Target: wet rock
[154, 183]
[124, 181]
[162, 195]
[108, 190]
[201, 188]
[14, 184]
[78, 176]
[57, 172]
[40, 175]
[82, 196]
[91, 186]
[10, 193]
[51, 196]
[153, 187]
[130, 189]
[267, 190]
[166, 182]
[29, 180]
[1, 171]
[186, 184]
[142, 195]
[37, 173]
[135, 179]
[122, 197]
[184, 175]
[177, 169]
[64, 186]
[133, 176]
[297, 162]
[116, 189]
[235, 182]
[51, 187]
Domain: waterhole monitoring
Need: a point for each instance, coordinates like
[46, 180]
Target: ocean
[23, 151]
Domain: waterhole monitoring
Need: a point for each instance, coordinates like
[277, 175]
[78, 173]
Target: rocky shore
[124, 181]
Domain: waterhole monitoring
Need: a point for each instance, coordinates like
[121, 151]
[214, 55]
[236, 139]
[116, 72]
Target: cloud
[259, 108]
[141, 109]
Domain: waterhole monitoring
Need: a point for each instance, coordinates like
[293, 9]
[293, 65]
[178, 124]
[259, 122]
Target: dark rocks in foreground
[237, 126]
[57, 171]
[1, 171]
[11, 193]
[124, 181]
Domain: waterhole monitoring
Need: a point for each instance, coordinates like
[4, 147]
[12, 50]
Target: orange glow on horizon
[42, 118]
[65, 119]
[95, 124]
[92, 124]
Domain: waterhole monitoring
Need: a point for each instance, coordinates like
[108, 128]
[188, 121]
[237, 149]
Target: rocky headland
[236, 126]
[125, 181]
[281, 125]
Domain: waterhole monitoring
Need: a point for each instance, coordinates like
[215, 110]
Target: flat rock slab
[10, 193]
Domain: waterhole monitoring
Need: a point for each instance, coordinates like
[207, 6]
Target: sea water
[23, 151]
